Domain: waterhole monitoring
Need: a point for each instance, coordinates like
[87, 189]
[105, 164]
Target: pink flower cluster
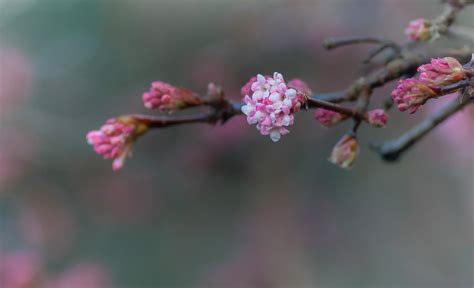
[377, 118]
[419, 30]
[345, 152]
[442, 71]
[327, 117]
[115, 138]
[166, 97]
[411, 93]
[270, 104]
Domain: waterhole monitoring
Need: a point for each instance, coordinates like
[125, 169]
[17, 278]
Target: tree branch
[456, 86]
[392, 71]
[212, 115]
[215, 108]
[336, 42]
[318, 103]
[222, 113]
[392, 150]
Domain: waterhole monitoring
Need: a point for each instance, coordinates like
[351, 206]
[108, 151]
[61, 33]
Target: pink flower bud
[411, 93]
[442, 71]
[377, 118]
[419, 30]
[166, 97]
[115, 138]
[270, 104]
[345, 152]
[246, 88]
[300, 86]
[328, 117]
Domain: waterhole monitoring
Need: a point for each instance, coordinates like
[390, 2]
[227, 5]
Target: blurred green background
[201, 206]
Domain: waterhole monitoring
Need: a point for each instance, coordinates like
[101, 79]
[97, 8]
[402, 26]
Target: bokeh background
[201, 206]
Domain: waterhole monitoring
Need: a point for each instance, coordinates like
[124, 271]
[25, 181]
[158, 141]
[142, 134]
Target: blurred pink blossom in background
[418, 30]
[115, 202]
[25, 269]
[17, 150]
[458, 130]
[20, 269]
[46, 222]
[15, 81]
[82, 275]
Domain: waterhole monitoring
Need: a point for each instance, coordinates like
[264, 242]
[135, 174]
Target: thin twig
[318, 103]
[336, 42]
[456, 86]
[376, 51]
[164, 121]
[394, 70]
[212, 115]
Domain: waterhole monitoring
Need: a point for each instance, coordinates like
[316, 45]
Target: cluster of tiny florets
[345, 152]
[271, 104]
[442, 71]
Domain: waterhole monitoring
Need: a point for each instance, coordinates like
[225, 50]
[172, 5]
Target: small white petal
[290, 93]
[273, 117]
[257, 95]
[259, 115]
[251, 120]
[274, 97]
[246, 109]
[277, 76]
[275, 135]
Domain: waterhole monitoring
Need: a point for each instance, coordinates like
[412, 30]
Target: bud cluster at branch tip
[411, 93]
[419, 30]
[115, 138]
[165, 97]
[345, 152]
[270, 104]
[442, 71]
